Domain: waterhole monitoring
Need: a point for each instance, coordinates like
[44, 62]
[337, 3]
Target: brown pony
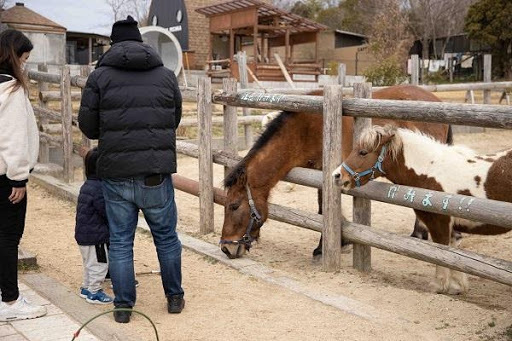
[413, 159]
[293, 140]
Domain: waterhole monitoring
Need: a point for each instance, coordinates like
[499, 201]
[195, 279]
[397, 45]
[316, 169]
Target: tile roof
[23, 17]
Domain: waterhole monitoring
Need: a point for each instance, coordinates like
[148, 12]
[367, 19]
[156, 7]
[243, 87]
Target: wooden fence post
[470, 97]
[204, 118]
[362, 209]
[332, 217]
[230, 122]
[487, 77]
[342, 72]
[244, 83]
[44, 148]
[67, 123]
[415, 65]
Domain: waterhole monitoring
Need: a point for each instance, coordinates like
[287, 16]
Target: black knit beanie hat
[125, 30]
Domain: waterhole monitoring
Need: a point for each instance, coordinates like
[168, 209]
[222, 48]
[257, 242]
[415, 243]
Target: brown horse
[293, 140]
[413, 159]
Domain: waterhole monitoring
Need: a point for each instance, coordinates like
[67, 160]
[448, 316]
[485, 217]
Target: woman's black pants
[12, 224]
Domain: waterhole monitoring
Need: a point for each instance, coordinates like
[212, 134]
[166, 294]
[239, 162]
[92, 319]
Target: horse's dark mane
[272, 128]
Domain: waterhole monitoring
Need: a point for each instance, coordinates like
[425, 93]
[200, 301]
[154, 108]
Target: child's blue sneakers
[99, 298]
[84, 292]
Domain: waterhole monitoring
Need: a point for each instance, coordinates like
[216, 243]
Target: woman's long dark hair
[13, 44]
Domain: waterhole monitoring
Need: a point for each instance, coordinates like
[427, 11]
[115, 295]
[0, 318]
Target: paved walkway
[54, 326]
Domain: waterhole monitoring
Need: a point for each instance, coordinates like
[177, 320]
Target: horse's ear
[386, 138]
[388, 133]
[242, 176]
[236, 176]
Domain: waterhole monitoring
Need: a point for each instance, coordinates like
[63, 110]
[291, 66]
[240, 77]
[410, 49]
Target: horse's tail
[449, 137]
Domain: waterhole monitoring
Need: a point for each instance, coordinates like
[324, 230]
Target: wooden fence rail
[481, 115]
[190, 94]
[476, 86]
[52, 114]
[47, 96]
[186, 122]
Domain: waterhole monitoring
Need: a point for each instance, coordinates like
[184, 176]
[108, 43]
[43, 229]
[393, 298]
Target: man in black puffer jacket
[132, 105]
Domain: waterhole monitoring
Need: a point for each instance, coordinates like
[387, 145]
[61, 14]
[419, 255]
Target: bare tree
[140, 10]
[388, 35]
[359, 15]
[284, 4]
[432, 19]
[118, 8]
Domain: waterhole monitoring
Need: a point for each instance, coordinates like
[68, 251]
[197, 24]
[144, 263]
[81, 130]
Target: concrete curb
[26, 259]
[244, 265]
[70, 303]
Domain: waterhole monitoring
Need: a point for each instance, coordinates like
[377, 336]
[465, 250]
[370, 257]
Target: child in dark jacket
[92, 234]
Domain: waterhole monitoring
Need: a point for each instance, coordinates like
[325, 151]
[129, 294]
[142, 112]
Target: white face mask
[23, 66]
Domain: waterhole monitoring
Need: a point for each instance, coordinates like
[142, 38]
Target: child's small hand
[83, 151]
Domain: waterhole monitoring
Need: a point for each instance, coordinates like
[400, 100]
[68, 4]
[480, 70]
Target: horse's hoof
[317, 259]
[420, 235]
[441, 283]
[424, 235]
[439, 287]
[455, 289]
[456, 239]
[459, 282]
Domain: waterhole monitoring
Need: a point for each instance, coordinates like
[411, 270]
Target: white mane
[417, 139]
[371, 139]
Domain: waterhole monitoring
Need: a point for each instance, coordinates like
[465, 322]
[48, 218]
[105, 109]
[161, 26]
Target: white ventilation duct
[166, 44]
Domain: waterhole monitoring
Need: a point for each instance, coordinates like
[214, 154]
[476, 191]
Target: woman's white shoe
[20, 310]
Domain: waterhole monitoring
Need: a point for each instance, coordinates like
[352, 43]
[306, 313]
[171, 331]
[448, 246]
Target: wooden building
[85, 48]
[235, 25]
[48, 37]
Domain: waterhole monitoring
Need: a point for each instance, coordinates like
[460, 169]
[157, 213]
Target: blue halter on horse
[376, 166]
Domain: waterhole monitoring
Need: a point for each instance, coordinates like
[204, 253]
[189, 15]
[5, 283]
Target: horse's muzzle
[233, 250]
[341, 180]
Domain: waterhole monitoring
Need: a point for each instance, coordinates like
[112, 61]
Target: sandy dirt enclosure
[222, 304]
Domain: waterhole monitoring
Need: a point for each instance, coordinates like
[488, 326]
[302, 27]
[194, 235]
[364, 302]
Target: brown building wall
[356, 61]
[199, 30]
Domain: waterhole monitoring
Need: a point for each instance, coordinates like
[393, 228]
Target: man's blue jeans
[123, 199]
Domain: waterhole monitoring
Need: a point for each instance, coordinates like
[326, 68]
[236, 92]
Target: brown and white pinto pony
[293, 140]
[413, 159]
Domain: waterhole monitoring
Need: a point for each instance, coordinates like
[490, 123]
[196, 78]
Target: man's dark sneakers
[122, 316]
[175, 304]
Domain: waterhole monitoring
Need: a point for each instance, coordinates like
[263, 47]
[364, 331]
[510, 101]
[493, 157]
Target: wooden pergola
[239, 23]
